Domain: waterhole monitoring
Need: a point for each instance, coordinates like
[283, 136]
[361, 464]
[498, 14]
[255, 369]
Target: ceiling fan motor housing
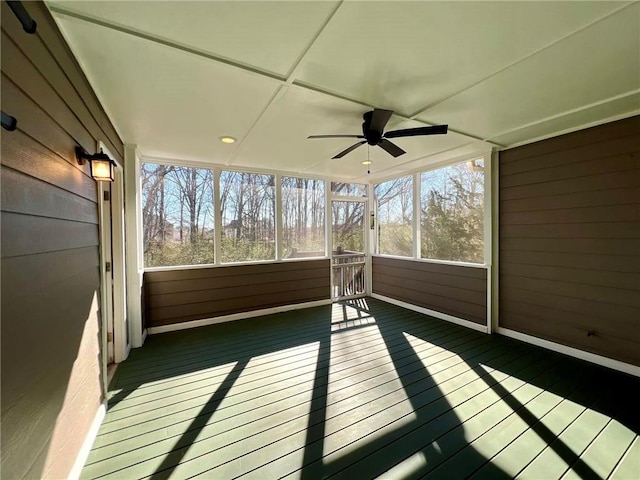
[373, 137]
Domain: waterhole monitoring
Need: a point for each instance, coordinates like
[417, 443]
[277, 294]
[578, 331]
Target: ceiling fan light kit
[373, 133]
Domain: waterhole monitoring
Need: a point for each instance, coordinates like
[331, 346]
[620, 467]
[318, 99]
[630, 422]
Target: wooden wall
[570, 240]
[181, 295]
[51, 386]
[452, 289]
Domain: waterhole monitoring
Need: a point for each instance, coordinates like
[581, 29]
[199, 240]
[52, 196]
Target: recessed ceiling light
[228, 139]
[366, 162]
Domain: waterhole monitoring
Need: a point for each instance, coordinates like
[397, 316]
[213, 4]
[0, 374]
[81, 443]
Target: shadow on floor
[431, 440]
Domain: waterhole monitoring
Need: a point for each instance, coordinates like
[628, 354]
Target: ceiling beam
[283, 88]
[430, 105]
[568, 112]
[286, 81]
[291, 76]
[163, 41]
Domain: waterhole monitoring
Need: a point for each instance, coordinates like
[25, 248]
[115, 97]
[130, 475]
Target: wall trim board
[235, 316]
[432, 313]
[572, 352]
[83, 454]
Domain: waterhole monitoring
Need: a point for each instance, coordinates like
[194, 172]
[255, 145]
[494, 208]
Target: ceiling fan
[373, 133]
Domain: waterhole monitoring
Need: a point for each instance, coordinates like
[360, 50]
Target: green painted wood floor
[362, 390]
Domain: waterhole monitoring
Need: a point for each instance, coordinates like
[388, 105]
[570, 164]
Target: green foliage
[172, 253]
[395, 239]
[395, 216]
[451, 220]
[244, 250]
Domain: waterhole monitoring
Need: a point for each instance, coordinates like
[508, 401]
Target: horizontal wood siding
[452, 289]
[181, 295]
[570, 240]
[51, 385]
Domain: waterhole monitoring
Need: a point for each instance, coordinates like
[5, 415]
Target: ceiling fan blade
[391, 148]
[379, 119]
[350, 149]
[335, 136]
[412, 132]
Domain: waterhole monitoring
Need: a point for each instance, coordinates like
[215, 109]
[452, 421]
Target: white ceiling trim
[405, 166]
[283, 89]
[565, 113]
[227, 168]
[576, 129]
[424, 109]
[285, 81]
[446, 160]
[163, 41]
[296, 66]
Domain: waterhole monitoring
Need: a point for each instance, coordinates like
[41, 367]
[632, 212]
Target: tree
[451, 219]
[248, 216]
[303, 216]
[395, 216]
[177, 201]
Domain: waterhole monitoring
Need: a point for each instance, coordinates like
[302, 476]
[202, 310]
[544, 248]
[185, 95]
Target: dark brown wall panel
[452, 289]
[51, 385]
[50, 60]
[570, 240]
[181, 295]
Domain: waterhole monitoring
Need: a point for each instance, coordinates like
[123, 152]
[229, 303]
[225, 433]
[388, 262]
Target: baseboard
[572, 352]
[236, 316]
[83, 454]
[432, 313]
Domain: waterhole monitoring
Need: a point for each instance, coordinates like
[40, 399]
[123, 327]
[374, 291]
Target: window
[303, 217]
[248, 208]
[348, 189]
[451, 213]
[395, 216]
[177, 215]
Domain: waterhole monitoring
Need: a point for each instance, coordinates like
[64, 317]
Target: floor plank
[362, 389]
[629, 466]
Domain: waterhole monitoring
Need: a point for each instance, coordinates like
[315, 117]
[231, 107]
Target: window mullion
[217, 218]
[278, 214]
[417, 212]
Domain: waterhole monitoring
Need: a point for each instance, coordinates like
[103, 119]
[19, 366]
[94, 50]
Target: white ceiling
[175, 75]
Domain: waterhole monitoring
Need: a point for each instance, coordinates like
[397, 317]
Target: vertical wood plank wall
[456, 290]
[51, 385]
[181, 295]
[570, 240]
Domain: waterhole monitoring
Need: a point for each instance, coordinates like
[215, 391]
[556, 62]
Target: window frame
[275, 223]
[217, 170]
[412, 176]
[200, 165]
[280, 231]
[487, 210]
[371, 239]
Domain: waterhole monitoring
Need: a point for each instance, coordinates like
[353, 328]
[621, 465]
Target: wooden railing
[348, 274]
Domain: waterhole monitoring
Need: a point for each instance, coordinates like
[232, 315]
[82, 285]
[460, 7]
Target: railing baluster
[348, 275]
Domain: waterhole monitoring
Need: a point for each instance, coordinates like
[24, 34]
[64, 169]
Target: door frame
[366, 240]
[106, 275]
[113, 283]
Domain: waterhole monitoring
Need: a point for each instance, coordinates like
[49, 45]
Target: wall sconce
[101, 165]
